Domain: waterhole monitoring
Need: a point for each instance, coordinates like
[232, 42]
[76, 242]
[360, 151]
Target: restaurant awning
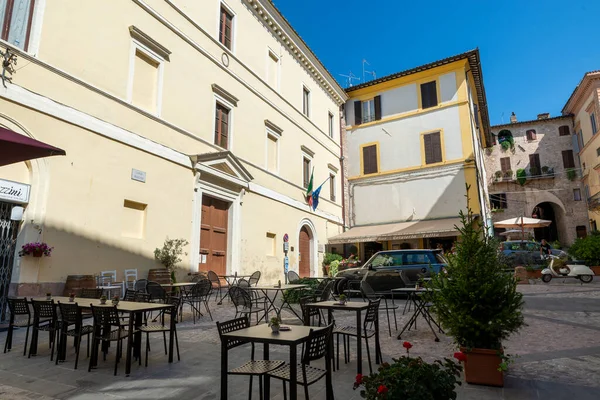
[15, 147]
[399, 231]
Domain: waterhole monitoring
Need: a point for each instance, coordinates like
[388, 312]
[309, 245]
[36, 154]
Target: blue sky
[534, 52]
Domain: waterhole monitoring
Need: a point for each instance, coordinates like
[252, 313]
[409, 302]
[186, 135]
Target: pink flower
[460, 356]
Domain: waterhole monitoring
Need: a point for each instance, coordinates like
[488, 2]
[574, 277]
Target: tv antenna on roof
[365, 72]
[349, 78]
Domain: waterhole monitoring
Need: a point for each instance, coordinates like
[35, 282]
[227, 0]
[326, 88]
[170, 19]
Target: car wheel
[586, 278]
[340, 286]
[546, 278]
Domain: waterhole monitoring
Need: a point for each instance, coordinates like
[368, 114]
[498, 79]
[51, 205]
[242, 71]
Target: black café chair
[369, 293]
[157, 293]
[140, 285]
[199, 294]
[309, 314]
[292, 277]
[254, 278]
[317, 347]
[368, 331]
[253, 367]
[215, 282]
[245, 304]
[18, 309]
[129, 295]
[71, 315]
[162, 328]
[90, 293]
[45, 319]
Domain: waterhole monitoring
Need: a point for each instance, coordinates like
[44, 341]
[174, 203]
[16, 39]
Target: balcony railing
[594, 202]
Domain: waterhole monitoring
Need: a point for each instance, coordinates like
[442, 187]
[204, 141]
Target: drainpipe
[342, 158]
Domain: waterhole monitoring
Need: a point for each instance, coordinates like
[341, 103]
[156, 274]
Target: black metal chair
[215, 282]
[326, 293]
[71, 315]
[90, 293]
[407, 283]
[244, 304]
[317, 347]
[254, 278]
[158, 328]
[140, 285]
[199, 294]
[309, 313]
[253, 367]
[292, 277]
[369, 293]
[45, 319]
[156, 291]
[18, 309]
[129, 295]
[107, 328]
[368, 331]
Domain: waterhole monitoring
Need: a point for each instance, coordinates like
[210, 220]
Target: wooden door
[305, 253]
[213, 235]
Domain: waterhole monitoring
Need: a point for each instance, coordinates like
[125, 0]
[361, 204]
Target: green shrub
[329, 257]
[521, 176]
[571, 174]
[587, 249]
[293, 296]
[334, 267]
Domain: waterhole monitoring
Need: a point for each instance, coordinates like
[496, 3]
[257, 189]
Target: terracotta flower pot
[481, 367]
[38, 253]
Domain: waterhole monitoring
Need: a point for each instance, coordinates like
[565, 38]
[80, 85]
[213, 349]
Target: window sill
[224, 48]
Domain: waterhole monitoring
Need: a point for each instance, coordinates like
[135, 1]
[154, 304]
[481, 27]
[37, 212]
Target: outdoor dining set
[147, 307]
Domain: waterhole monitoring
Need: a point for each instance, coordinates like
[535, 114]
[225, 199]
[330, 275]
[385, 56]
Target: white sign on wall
[14, 192]
[138, 175]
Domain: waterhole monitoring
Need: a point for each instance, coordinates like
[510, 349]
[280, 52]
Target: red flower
[359, 379]
[460, 356]
[383, 389]
[406, 345]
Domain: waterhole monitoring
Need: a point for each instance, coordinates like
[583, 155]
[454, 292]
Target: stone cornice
[283, 31]
[581, 91]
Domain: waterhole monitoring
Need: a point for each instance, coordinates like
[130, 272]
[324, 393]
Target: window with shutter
[433, 148]
[226, 28]
[577, 194]
[370, 159]
[306, 171]
[531, 135]
[15, 20]
[563, 130]
[505, 164]
[357, 113]
[306, 101]
[332, 187]
[593, 122]
[498, 201]
[429, 95]
[568, 160]
[534, 164]
[330, 121]
[222, 126]
[368, 110]
[377, 106]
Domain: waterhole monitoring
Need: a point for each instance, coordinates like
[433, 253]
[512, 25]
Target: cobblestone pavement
[558, 357]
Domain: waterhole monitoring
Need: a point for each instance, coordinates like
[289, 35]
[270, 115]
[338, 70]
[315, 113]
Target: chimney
[544, 116]
[513, 118]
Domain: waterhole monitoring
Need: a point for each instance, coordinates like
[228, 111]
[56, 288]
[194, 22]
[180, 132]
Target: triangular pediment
[224, 162]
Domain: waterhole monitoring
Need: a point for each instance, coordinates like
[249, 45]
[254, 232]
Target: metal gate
[8, 238]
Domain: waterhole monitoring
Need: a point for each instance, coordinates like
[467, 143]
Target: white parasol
[522, 223]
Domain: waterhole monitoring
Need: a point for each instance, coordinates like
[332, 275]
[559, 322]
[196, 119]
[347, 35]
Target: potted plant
[497, 175]
[479, 304]
[342, 299]
[508, 175]
[36, 249]
[103, 299]
[334, 268]
[521, 176]
[115, 300]
[48, 296]
[327, 260]
[170, 254]
[275, 323]
[412, 378]
[71, 297]
[571, 174]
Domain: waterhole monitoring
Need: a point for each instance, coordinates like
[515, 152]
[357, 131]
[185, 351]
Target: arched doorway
[305, 253]
[547, 211]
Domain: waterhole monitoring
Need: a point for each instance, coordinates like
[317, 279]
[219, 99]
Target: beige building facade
[536, 175]
[180, 119]
[584, 105]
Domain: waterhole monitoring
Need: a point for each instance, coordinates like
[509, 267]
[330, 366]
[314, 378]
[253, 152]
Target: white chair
[108, 281]
[130, 279]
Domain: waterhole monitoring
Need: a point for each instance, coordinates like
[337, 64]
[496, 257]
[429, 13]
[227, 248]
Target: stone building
[533, 171]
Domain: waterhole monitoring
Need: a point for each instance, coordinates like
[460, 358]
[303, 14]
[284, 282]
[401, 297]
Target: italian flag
[309, 189]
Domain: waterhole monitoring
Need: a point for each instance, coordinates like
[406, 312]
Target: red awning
[15, 147]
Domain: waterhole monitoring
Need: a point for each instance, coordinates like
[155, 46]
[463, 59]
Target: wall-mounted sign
[286, 238]
[138, 175]
[14, 192]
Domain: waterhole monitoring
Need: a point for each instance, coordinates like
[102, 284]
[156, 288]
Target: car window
[384, 260]
[417, 258]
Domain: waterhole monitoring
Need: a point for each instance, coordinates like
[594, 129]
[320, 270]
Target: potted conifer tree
[477, 302]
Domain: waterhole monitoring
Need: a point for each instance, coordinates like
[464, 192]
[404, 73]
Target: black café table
[265, 289]
[135, 311]
[416, 296]
[231, 281]
[263, 334]
[358, 308]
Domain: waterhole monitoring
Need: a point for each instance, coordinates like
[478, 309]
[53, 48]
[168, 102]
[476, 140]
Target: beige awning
[399, 231]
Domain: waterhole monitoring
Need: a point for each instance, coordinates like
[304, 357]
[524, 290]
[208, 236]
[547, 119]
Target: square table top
[262, 334]
[178, 284]
[125, 306]
[274, 287]
[411, 290]
[332, 305]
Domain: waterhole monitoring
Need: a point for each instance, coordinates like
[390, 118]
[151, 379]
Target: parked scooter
[581, 272]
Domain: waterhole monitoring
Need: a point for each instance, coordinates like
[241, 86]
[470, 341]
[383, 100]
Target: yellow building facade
[180, 119]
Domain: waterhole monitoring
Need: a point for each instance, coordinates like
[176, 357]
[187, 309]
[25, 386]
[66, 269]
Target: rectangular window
[368, 111]
[580, 140]
[598, 151]
[577, 194]
[593, 121]
[498, 201]
[133, 221]
[222, 126]
[568, 160]
[531, 135]
[581, 231]
[272, 153]
[306, 101]
[226, 28]
[330, 123]
[271, 249]
[433, 147]
[273, 70]
[144, 89]
[535, 167]
[505, 166]
[332, 187]
[563, 130]
[306, 171]
[370, 164]
[15, 20]
[429, 95]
